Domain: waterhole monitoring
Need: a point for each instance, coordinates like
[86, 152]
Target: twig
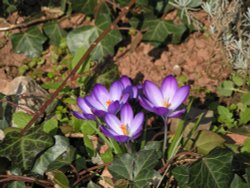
[80, 62]
[175, 157]
[7, 178]
[17, 106]
[27, 24]
[89, 170]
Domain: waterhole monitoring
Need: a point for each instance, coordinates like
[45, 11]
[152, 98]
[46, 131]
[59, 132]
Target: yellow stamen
[108, 102]
[166, 104]
[124, 129]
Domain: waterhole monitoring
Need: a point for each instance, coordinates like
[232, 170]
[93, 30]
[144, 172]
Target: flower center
[124, 129]
[108, 102]
[166, 104]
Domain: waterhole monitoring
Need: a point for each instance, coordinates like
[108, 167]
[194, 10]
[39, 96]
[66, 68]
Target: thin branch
[81, 61]
[27, 24]
[88, 171]
[175, 157]
[17, 106]
[7, 178]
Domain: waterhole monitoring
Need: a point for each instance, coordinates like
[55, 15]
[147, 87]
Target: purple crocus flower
[101, 101]
[86, 111]
[128, 127]
[165, 100]
[128, 87]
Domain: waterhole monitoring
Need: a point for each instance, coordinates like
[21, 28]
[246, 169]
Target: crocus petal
[136, 124]
[124, 98]
[90, 116]
[125, 81]
[161, 111]
[99, 113]
[176, 114]
[127, 114]
[78, 115]
[83, 105]
[179, 97]
[146, 104]
[113, 123]
[93, 103]
[114, 107]
[110, 133]
[101, 93]
[168, 87]
[135, 92]
[116, 90]
[153, 93]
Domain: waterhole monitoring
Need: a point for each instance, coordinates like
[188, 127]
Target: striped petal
[101, 93]
[113, 123]
[127, 114]
[136, 124]
[83, 105]
[153, 93]
[168, 87]
[116, 91]
[179, 97]
[94, 103]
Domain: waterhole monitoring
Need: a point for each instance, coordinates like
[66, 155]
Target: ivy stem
[165, 136]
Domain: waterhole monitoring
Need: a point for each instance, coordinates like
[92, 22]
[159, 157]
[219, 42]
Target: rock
[25, 93]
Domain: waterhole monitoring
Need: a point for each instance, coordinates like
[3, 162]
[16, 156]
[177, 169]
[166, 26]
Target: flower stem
[165, 136]
[129, 147]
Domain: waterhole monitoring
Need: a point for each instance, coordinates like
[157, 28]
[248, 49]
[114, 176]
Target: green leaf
[54, 32]
[246, 146]
[226, 88]
[238, 182]
[17, 184]
[85, 36]
[85, 6]
[91, 184]
[65, 159]
[59, 178]
[30, 42]
[22, 150]
[245, 98]
[159, 30]
[42, 163]
[213, 170]
[245, 116]
[137, 168]
[181, 174]
[50, 126]
[107, 157]
[21, 119]
[156, 145]
[207, 141]
[238, 80]
[225, 116]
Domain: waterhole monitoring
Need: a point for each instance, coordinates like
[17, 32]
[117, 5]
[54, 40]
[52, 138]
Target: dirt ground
[199, 58]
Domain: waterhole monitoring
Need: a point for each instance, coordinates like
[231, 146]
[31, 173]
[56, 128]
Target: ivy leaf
[159, 30]
[181, 174]
[20, 119]
[54, 32]
[238, 182]
[137, 168]
[85, 6]
[30, 42]
[213, 170]
[59, 178]
[22, 150]
[244, 116]
[226, 88]
[42, 163]
[84, 36]
[207, 141]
